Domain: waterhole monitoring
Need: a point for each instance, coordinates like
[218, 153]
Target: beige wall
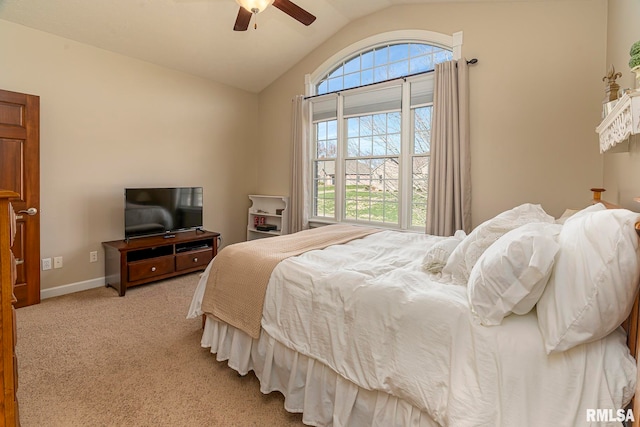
[109, 122]
[535, 97]
[622, 169]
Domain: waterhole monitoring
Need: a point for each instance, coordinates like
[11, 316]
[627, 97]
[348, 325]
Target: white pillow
[594, 281]
[465, 255]
[436, 256]
[511, 274]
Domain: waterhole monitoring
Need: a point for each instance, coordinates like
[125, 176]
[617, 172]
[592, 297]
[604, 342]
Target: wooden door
[20, 173]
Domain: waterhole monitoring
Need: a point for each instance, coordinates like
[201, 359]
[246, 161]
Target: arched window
[371, 129]
[382, 63]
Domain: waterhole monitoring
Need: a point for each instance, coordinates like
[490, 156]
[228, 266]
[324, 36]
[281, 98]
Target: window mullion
[405, 185]
[340, 159]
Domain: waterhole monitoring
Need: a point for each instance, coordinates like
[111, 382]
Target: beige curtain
[449, 196]
[298, 200]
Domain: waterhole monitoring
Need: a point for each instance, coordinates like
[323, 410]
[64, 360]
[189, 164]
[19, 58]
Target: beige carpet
[96, 359]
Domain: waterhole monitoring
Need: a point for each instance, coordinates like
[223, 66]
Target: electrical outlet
[46, 264]
[93, 256]
[57, 262]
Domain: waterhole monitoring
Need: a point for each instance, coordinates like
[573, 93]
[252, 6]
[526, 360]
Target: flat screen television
[153, 211]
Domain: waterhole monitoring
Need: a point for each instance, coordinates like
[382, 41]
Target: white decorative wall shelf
[268, 216]
[622, 122]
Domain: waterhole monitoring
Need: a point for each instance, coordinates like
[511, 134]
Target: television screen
[151, 211]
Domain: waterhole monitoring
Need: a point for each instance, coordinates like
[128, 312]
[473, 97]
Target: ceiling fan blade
[294, 11]
[242, 21]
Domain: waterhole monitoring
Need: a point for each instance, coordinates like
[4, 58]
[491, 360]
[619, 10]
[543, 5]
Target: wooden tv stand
[149, 259]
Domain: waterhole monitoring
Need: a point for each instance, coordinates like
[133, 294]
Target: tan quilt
[240, 273]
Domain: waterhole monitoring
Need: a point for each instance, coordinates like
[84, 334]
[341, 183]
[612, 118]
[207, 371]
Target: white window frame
[449, 42]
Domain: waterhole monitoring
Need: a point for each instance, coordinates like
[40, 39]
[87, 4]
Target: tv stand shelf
[149, 259]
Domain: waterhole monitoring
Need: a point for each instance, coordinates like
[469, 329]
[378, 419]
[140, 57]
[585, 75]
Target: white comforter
[367, 310]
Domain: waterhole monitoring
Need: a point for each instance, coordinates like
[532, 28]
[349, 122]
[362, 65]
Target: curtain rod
[472, 61]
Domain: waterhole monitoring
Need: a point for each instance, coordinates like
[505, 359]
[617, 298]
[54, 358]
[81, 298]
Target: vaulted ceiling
[195, 36]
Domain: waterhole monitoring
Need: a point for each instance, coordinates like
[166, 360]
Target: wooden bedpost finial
[597, 194]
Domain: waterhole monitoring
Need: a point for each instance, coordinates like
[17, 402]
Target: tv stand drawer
[192, 259]
[140, 270]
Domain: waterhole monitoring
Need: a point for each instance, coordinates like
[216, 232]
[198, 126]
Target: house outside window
[371, 135]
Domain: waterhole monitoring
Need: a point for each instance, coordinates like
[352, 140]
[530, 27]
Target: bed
[528, 320]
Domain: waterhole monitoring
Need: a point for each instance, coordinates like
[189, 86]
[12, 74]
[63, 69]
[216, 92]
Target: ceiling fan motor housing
[254, 6]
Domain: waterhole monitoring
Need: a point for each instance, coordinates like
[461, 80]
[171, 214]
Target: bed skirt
[309, 387]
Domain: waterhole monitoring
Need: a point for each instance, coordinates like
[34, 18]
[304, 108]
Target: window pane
[398, 52]
[377, 211]
[442, 56]
[324, 188]
[421, 144]
[321, 131]
[422, 130]
[322, 87]
[357, 178]
[419, 216]
[332, 129]
[379, 124]
[366, 144]
[398, 69]
[429, 64]
[391, 170]
[351, 80]
[353, 127]
[381, 55]
[367, 60]
[350, 209]
[332, 148]
[420, 181]
[366, 125]
[337, 72]
[394, 124]
[391, 190]
[353, 65]
[420, 64]
[322, 149]
[420, 171]
[353, 146]
[420, 49]
[381, 73]
[335, 84]
[379, 145]
[393, 143]
[367, 77]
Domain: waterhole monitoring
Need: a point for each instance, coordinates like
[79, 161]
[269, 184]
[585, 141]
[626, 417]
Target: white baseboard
[71, 288]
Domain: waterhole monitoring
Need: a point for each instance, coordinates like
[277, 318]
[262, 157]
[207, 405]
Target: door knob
[30, 211]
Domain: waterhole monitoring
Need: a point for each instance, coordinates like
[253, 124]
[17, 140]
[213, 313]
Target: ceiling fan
[253, 7]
